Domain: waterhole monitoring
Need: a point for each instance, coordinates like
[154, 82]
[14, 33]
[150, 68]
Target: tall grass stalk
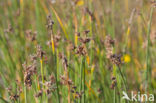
[55, 57]
[81, 73]
[25, 94]
[148, 69]
[52, 43]
[123, 78]
[42, 73]
[68, 88]
[3, 100]
[58, 96]
[84, 77]
[114, 95]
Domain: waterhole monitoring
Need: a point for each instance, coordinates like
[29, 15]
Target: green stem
[81, 70]
[122, 76]
[25, 93]
[4, 100]
[114, 95]
[41, 62]
[148, 71]
[57, 80]
[84, 76]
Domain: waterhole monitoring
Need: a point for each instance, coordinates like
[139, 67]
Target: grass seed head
[40, 52]
[39, 93]
[116, 59]
[14, 97]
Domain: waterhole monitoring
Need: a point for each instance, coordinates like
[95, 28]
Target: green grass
[89, 70]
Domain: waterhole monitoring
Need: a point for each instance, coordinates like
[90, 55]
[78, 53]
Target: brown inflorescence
[40, 52]
[31, 35]
[28, 72]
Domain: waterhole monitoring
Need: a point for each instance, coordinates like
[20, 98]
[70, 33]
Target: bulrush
[39, 93]
[50, 22]
[49, 26]
[28, 72]
[56, 40]
[86, 31]
[75, 93]
[70, 46]
[91, 14]
[109, 42]
[84, 39]
[33, 57]
[81, 50]
[64, 61]
[50, 85]
[51, 81]
[14, 96]
[65, 80]
[19, 86]
[40, 52]
[9, 29]
[114, 83]
[116, 59]
[31, 35]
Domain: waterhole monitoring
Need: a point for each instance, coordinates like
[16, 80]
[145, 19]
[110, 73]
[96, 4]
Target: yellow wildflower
[79, 2]
[126, 58]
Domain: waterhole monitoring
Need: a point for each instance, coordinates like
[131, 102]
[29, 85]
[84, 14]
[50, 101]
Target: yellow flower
[126, 58]
[79, 2]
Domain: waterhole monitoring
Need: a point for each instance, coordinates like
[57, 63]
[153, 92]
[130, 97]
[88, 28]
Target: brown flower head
[14, 97]
[39, 94]
[81, 50]
[40, 52]
[116, 59]
[50, 22]
[31, 35]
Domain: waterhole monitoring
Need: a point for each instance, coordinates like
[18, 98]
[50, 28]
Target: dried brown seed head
[116, 59]
[39, 94]
[14, 97]
[40, 52]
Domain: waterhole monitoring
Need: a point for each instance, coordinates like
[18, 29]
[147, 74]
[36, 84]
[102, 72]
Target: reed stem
[84, 77]
[148, 70]
[58, 96]
[25, 94]
[42, 73]
[122, 76]
[81, 71]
